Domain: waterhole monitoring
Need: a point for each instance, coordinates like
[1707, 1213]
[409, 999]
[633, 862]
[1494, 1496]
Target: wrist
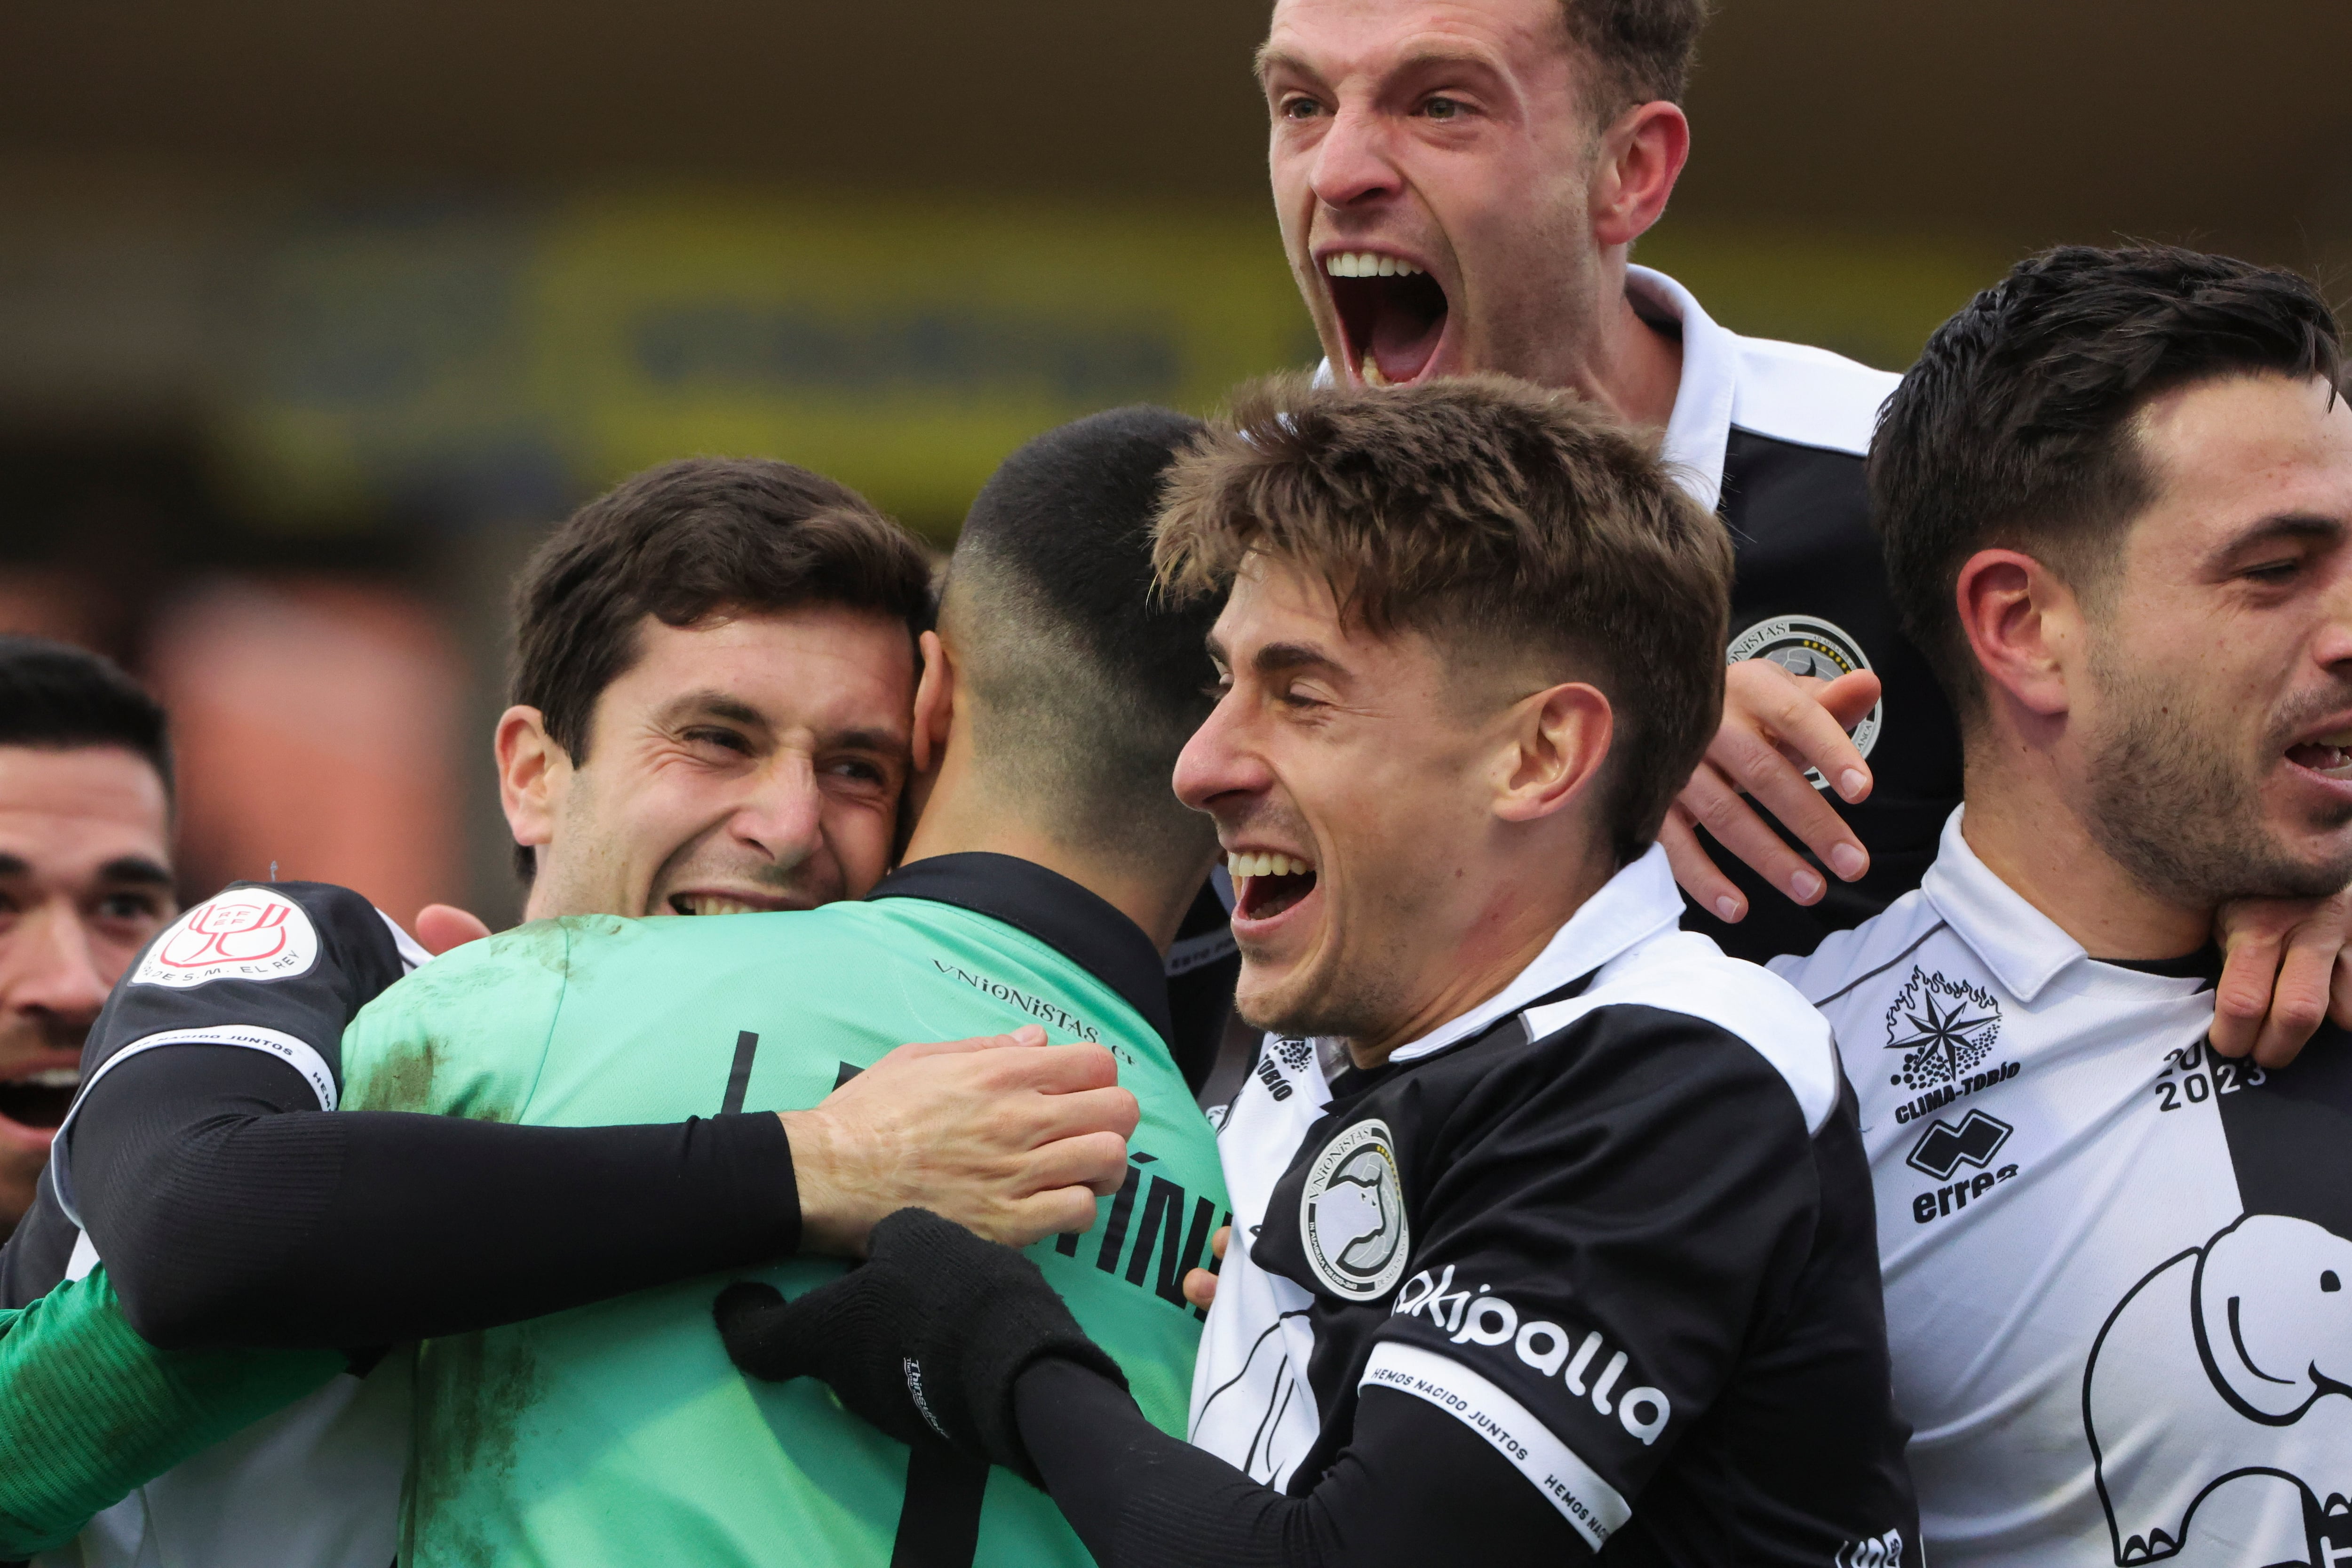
[830, 1227]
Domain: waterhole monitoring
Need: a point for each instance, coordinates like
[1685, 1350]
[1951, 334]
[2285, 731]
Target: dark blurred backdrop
[312, 317]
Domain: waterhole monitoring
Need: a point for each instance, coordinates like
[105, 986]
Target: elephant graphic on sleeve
[2218, 1402]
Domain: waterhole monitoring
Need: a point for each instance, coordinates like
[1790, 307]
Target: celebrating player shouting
[2116, 495]
[1460, 185]
[1576, 1251]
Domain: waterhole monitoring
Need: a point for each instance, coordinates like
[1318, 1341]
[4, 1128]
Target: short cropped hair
[1088, 682]
[1641, 51]
[58, 698]
[1498, 519]
[684, 541]
[2017, 427]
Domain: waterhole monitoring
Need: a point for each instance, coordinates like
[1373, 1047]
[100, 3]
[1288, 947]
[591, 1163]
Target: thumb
[440, 926]
[1026, 1034]
[761, 1330]
[1850, 696]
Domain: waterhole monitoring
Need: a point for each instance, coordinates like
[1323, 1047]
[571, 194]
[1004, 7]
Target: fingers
[1696, 871]
[1218, 1242]
[1717, 806]
[440, 926]
[1805, 722]
[1026, 1034]
[2242, 996]
[1053, 1116]
[1752, 764]
[1201, 1288]
[2299, 1001]
[1062, 1211]
[1096, 1161]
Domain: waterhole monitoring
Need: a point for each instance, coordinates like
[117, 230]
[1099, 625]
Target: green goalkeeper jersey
[619, 1433]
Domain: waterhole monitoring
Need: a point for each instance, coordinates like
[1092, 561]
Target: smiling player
[2117, 502]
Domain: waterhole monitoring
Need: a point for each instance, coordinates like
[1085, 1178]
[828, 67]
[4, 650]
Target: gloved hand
[925, 1338]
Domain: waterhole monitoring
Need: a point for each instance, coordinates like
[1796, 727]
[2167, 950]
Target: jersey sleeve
[278, 969]
[88, 1410]
[1607, 1222]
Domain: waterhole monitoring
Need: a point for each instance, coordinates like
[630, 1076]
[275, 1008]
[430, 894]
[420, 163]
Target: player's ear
[2024, 625]
[1551, 746]
[1640, 157]
[934, 703]
[533, 768]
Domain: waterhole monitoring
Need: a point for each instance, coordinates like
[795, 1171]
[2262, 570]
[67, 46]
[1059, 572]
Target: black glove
[926, 1337]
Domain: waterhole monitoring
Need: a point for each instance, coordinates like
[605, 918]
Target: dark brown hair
[685, 541]
[1492, 516]
[2015, 428]
[1641, 49]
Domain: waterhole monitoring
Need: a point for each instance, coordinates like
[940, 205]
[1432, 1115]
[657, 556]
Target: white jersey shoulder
[1807, 396]
[1682, 972]
[1846, 958]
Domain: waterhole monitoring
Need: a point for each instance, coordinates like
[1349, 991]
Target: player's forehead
[2240, 458]
[1329, 40]
[826, 667]
[74, 815]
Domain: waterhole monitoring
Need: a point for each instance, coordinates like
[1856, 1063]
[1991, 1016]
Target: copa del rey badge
[1352, 1215]
[245, 934]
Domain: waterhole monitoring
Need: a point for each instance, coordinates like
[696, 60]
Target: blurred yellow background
[312, 318]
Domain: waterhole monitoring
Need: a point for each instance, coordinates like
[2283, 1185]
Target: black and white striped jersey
[1773, 435]
[1615, 1221]
[2117, 1264]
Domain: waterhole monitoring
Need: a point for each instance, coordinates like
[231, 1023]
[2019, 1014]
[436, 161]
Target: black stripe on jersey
[738, 1076]
[2290, 1132]
[938, 1523]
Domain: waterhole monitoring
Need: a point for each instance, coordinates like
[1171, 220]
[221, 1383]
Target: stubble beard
[2178, 811]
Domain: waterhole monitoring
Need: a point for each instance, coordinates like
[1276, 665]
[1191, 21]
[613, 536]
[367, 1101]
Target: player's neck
[2022, 828]
[964, 817]
[1634, 368]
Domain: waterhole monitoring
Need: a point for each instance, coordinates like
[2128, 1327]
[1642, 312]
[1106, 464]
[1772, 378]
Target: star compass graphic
[1946, 1028]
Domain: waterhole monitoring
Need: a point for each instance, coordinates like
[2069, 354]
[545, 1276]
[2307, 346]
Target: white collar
[2024, 948]
[1638, 903]
[1698, 433]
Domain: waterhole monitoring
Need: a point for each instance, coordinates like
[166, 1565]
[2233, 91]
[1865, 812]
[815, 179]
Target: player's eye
[861, 770]
[2274, 571]
[1296, 105]
[128, 906]
[724, 738]
[1443, 108]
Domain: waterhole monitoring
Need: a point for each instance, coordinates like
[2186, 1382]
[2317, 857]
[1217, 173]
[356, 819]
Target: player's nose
[49, 966]
[1217, 765]
[783, 815]
[1351, 160]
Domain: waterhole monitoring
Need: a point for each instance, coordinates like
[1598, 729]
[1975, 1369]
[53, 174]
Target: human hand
[1774, 726]
[925, 1339]
[440, 926]
[1005, 1136]
[2284, 971]
[1201, 1284]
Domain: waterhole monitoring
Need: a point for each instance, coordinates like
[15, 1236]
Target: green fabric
[619, 1433]
[88, 1410]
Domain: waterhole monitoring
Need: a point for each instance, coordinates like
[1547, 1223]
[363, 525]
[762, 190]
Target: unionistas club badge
[1809, 646]
[1352, 1213]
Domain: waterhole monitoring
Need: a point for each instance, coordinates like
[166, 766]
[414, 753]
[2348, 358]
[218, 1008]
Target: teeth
[713, 904]
[52, 1077]
[1370, 370]
[1266, 865]
[1368, 264]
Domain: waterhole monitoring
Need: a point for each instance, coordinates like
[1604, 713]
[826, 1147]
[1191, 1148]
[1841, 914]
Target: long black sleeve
[231, 1211]
[1415, 1487]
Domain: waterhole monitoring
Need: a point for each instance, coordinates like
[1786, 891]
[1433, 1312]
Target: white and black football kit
[2117, 1264]
[196, 1164]
[1589, 1270]
[1774, 436]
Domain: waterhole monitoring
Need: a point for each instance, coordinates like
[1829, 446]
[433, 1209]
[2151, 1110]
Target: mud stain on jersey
[471, 1393]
